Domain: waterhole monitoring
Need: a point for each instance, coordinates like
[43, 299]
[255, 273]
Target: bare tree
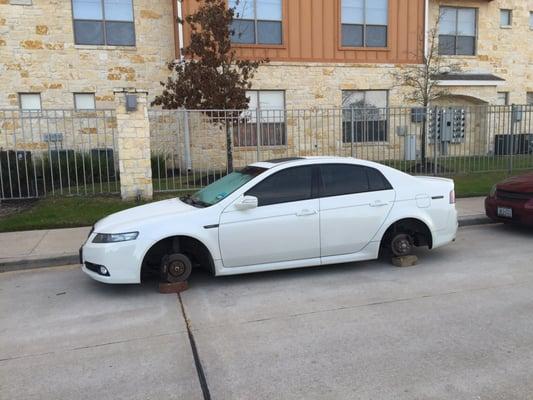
[420, 83]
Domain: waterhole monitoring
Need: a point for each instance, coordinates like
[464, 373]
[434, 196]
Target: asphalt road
[457, 326]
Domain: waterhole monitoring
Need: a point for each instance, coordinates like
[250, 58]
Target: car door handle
[378, 203]
[306, 212]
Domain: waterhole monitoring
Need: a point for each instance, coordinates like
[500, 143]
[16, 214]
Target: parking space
[458, 325]
[64, 336]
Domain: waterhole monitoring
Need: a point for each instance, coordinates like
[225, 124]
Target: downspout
[180, 57]
[426, 28]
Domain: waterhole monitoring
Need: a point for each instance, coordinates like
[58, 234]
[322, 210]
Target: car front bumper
[121, 260]
[522, 211]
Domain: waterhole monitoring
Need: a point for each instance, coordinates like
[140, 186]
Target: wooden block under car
[405, 261]
[177, 287]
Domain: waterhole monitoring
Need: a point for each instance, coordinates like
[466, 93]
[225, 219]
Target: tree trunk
[229, 148]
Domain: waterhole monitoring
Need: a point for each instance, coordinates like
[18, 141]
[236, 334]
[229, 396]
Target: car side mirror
[247, 203]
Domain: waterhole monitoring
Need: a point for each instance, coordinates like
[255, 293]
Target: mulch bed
[11, 207]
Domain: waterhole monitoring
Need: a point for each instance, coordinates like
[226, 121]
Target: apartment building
[323, 53]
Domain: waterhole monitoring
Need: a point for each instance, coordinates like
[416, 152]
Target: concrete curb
[56, 261]
[69, 259]
[480, 219]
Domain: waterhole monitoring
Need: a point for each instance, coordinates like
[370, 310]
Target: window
[531, 20]
[103, 22]
[364, 23]
[338, 179]
[342, 179]
[376, 180]
[291, 184]
[257, 21]
[529, 98]
[222, 188]
[457, 31]
[506, 18]
[364, 116]
[269, 107]
[30, 101]
[84, 101]
[503, 99]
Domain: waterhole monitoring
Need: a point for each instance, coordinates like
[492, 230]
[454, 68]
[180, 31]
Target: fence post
[133, 141]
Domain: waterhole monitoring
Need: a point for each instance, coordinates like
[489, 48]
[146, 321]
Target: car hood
[521, 183]
[115, 223]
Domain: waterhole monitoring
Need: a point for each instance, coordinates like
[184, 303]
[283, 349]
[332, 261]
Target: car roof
[305, 160]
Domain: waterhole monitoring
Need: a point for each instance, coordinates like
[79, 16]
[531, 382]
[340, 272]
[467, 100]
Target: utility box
[410, 148]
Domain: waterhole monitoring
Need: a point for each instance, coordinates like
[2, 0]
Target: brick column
[133, 133]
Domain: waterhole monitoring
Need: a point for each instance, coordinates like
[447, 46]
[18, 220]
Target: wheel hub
[401, 245]
[176, 268]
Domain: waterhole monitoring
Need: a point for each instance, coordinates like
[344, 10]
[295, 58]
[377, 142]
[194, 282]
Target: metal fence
[190, 148]
[57, 152]
[75, 152]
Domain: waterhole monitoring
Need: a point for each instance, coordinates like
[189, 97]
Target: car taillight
[452, 197]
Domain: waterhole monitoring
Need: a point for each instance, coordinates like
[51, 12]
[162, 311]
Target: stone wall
[38, 54]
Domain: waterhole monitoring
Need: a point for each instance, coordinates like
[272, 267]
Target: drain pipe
[426, 28]
[181, 58]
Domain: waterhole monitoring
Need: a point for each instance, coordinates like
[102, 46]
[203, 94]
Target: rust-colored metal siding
[312, 29]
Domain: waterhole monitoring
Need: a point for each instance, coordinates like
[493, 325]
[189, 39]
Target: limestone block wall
[38, 54]
[505, 52]
[133, 146]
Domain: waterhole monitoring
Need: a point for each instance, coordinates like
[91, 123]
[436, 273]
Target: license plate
[505, 212]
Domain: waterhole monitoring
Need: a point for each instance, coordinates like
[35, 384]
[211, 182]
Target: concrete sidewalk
[53, 247]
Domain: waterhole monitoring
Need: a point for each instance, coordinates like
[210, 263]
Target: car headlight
[493, 191]
[115, 237]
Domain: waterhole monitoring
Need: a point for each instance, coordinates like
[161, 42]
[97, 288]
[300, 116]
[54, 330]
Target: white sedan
[278, 214]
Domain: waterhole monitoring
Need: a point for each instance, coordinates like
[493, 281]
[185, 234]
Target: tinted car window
[291, 184]
[339, 179]
[376, 180]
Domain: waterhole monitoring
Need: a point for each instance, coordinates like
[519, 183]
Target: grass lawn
[64, 212]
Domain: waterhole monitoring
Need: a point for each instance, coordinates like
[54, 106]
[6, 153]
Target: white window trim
[84, 93]
[21, 94]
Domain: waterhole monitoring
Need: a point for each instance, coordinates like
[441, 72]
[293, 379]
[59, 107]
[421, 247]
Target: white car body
[315, 231]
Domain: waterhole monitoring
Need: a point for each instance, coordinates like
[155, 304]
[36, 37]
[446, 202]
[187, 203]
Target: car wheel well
[417, 229]
[197, 252]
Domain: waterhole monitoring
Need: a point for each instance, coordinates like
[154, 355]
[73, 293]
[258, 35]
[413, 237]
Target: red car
[512, 200]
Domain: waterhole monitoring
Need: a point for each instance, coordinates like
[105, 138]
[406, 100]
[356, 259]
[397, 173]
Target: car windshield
[222, 188]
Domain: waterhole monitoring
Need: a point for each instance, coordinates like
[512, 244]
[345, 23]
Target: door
[284, 226]
[354, 202]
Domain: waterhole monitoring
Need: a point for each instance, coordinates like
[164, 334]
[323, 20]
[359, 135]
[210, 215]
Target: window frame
[476, 31]
[509, 12]
[506, 100]
[86, 93]
[237, 140]
[20, 94]
[103, 21]
[386, 120]
[529, 98]
[321, 183]
[314, 184]
[364, 47]
[281, 45]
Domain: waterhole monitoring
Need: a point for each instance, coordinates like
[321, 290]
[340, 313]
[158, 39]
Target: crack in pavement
[376, 303]
[89, 346]
[197, 361]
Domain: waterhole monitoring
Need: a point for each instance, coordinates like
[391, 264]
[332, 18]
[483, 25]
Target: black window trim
[255, 22]
[365, 167]
[103, 21]
[476, 27]
[314, 184]
[352, 140]
[364, 26]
